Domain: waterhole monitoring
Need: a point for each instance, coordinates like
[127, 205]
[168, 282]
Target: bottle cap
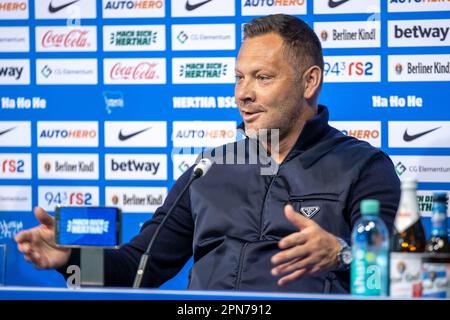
[440, 196]
[409, 183]
[370, 206]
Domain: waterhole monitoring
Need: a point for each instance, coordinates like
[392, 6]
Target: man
[284, 231]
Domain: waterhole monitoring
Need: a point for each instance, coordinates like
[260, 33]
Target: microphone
[199, 171]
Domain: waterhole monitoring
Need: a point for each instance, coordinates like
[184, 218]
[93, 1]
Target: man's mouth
[250, 116]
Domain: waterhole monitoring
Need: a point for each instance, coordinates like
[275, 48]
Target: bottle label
[439, 222]
[404, 219]
[369, 272]
[405, 274]
[436, 280]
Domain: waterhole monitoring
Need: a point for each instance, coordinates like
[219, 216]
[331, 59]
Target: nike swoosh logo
[334, 4]
[409, 138]
[53, 9]
[123, 137]
[190, 7]
[6, 131]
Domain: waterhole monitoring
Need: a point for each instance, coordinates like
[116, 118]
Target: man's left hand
[306, 252]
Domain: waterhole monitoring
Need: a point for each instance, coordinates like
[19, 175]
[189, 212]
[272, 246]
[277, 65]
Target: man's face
[267, 91]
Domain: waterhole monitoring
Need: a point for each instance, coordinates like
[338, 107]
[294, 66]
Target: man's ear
[312, 79]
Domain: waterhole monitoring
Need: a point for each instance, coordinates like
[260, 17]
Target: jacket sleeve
[378, 180]
[171, 249]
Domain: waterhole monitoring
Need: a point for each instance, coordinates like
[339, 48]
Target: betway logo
[132, 165]
[421, 32]
[136, 166]
[136, 71]
[66, 39]
[14, 71]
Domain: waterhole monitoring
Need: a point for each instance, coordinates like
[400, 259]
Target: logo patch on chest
[309, 212]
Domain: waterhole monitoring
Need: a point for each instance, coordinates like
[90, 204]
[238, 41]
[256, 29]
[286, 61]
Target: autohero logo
[352, 69]
[349, 34]
[203, 70]
[135, 199]
[66, 71]
[67, 134]
[203, 133]
[133, 9]
[136, 166]
[204, 37]
[15, 198]
[418, 5]
[369, 131]
[135, 71]
[14, 72]
[15, 134]
[423, 168]
[50, 197]
[68, 166]
[135, 134]
[346, 6]
[73, 10]
[263, 7]
[202, 8]
[14, 39]
[419, 33]
[15, 166]
[431, 67]
[419, 134]
[54, 39]
[13, 9]
[134, 38]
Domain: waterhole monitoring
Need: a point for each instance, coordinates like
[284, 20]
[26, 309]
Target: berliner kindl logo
[398, 68]
[115, 199]
[324, 35]
[47, 166]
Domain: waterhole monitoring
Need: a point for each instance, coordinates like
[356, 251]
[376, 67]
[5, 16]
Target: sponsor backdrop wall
[107, 102]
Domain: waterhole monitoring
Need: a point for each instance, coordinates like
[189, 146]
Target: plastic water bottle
[370, 252]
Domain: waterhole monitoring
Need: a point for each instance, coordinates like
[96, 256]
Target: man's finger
[296, 218]
[23, 236]
[43, 217]
[24, 248]
[295, 265]
[293, 276]
[297, 252]
[294, 239]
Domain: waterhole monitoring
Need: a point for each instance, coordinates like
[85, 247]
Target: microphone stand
[147, 254]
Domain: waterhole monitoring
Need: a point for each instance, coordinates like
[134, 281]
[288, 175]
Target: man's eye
[263, 78]
[237, 77]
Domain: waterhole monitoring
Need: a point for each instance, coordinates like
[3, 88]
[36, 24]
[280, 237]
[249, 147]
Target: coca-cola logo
[141, 71]
[75, 38]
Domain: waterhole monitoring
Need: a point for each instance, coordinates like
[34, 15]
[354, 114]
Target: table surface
[48, 293]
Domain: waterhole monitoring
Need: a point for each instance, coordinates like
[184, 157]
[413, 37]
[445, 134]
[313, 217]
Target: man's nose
[244, 91]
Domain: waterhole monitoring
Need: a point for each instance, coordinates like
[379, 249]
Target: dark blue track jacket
[231, 219]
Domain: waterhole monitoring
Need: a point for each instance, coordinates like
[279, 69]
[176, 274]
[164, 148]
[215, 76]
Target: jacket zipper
[261, 218]
[241, 266]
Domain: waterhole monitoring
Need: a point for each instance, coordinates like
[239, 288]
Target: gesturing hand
[38, 244]
[308, 251]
